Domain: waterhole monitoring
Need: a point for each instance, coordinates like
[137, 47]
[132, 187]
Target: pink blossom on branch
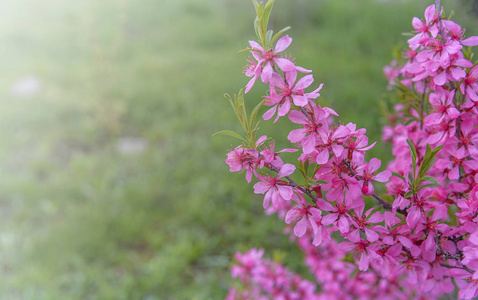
[275, 190]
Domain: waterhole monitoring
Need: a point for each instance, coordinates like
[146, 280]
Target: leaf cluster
[418, 179]
[260, 24]
[248, 123]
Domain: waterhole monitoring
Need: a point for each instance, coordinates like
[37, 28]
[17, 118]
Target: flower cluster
[265, 278]
[423, 237]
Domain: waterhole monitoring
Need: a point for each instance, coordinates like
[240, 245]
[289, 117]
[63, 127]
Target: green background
[111, 184]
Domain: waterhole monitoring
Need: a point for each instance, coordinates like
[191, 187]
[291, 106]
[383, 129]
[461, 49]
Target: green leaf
[268, 39]
[257, 28]
[398, 175]
[429, 178]
[230, 133]
[429, 185]
[413, 153]
[253, 116]
[407, 195]
[320, 181]
[452, 14]
[267, 13]
[277, 35]
[428, 160]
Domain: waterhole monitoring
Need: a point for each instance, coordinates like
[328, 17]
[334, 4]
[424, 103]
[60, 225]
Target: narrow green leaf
[230, 133]
[398, 175]
[410, 178]
[320, 181]
[256, 4]
[435, 151]
[429, 185]
[407, 195]
[306, 167]
[428, 160]
[257, 29]
[253, 116]
[452, 14]
[267, 13]
[429, 178]
[268, 39]
[277, 35]
[302, 170]
[413, 153]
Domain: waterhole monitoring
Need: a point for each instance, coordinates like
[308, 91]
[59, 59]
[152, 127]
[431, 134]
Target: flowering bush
[421, 238]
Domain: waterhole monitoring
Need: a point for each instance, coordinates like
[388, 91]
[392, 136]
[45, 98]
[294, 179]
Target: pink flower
[364, 249]
[339, 213]
[243, 159]
[368, 172]
[309, 134]
[267, 59]
[271, 157]
[443, 107]
[274, 188]
[468, 285]
[469, 86]
[362, 223]
[306, 214]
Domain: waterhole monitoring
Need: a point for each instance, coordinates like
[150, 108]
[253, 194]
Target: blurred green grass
[81, 219]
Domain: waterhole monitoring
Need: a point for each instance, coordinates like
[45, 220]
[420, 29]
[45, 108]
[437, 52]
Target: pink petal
[414, 216]
[284, 64]
[250, 84]
[471, 41]
[261, 139]
[300, 100]
[371, 235]
[308, 143]
[266, 74]
[267, 199]
[292, 215]
[374, 164]
[317, 238]
[285, 192]
[430, 12]
[284, 109]
[322, 157]
[324, 205]
[354, 236]
[283, 43]
[304, 82]
[286, 170]
[290, 78]
[343, 224]
[296, 135]
[270, 113]
[337, 149]
[298, 117]
[329, 219]
[255, 45]
[363, 263]
[383, 176]
[315, 213]
[440, 79]
[301, 227]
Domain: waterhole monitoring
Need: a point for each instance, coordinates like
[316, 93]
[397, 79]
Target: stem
[421, 107]
[438, 8]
